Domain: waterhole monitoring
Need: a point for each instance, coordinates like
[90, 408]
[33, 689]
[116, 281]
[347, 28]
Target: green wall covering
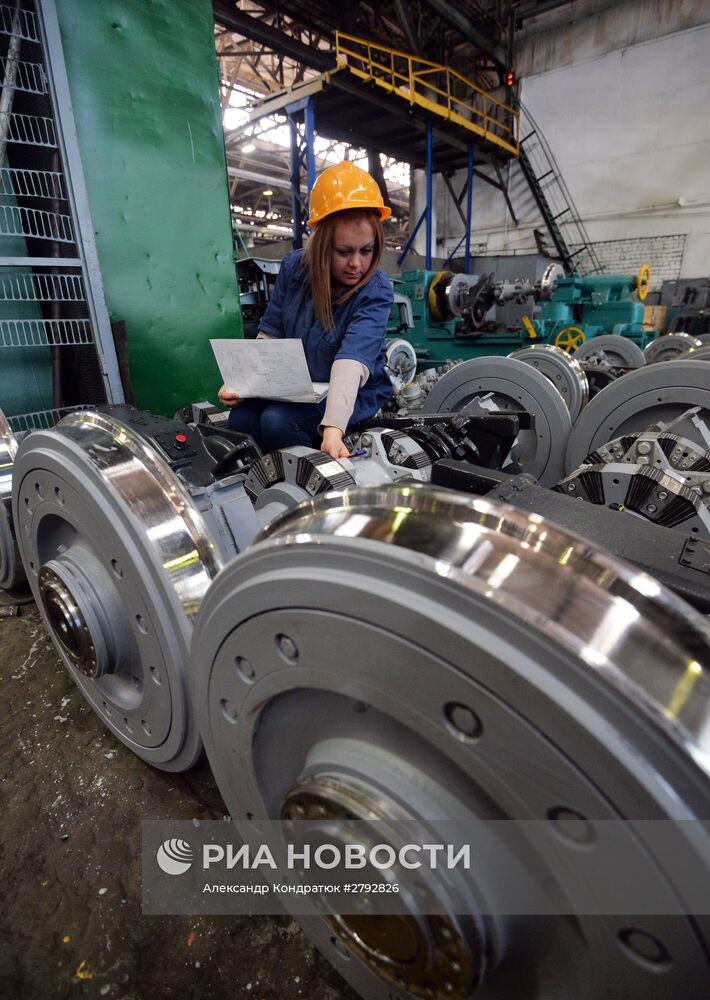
[143, 81]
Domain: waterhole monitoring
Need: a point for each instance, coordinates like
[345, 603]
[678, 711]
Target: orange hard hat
[345, 186]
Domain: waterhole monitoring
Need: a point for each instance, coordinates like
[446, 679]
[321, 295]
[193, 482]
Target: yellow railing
[439, 89]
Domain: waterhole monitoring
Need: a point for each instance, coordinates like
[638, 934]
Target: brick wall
[663, 254]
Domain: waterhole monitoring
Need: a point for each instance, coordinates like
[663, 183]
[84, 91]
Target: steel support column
[469, 207]
[412, 237]
[429, 185]
[302, 156]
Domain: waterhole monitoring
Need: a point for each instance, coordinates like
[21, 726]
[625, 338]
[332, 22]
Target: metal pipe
[481, 39]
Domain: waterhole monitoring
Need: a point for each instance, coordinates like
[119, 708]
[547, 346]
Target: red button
[180, 438]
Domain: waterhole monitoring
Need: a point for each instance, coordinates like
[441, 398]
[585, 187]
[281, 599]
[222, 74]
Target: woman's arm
[346, 378]
[357, 357]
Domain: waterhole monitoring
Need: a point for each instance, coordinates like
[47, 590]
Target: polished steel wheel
[11, 571]
[669, 347]
[401, 651]
[508, 384]
[562, 370]
[118, 561]
[610, 349]
[655, 395]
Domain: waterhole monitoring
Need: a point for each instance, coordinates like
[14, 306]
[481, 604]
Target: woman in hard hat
[335, 300]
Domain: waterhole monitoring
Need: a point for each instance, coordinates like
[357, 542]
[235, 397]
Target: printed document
[267, 369]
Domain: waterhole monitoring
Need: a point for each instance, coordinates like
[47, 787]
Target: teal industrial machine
[446, 316]
[580, 308]
[442, 314]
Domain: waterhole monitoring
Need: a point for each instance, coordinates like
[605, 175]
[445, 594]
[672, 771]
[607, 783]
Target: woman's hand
[227, 398]
[332, 443]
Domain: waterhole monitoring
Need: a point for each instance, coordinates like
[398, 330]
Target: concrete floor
[73, 799]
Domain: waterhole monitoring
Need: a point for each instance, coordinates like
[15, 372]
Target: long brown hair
[318, 255]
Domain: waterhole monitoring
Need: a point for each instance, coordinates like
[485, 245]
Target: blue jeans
[276, 425]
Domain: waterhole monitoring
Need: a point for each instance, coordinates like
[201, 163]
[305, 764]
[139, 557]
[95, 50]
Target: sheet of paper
[267, 369]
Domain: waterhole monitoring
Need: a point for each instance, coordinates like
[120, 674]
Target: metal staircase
[442, 92]
[552, 196]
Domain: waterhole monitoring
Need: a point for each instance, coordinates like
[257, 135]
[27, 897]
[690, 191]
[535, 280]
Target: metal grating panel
[45, 332]
[41, 287]
[20, 23]
[51, 295]
[42, 420]
[29, 77]
[28, 130]
[34, 222]
[32, 183]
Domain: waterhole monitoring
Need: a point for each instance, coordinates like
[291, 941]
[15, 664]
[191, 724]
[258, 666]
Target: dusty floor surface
[73, 799]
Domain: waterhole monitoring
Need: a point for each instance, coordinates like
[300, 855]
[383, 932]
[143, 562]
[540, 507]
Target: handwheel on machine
[643, 282]
[570, 338]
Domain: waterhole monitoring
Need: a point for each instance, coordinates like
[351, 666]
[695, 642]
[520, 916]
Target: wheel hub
[431, 956]
[77, 617]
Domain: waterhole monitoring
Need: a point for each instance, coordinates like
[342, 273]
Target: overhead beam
[283, 181]
[251, 27]
[407, 26]
[534, 7]
[504, 189]
[304, 21]
[251, 175]
[463, 23]
[455, 198]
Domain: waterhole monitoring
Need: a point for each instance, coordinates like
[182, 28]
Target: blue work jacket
[359, 330]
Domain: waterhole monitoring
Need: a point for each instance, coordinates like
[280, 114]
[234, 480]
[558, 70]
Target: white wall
[586, 29]
[630, 129]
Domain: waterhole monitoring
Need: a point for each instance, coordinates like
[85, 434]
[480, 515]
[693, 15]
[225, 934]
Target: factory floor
[72, 803]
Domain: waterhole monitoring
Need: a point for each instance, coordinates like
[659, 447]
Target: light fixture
[268, 192]
[249, 148]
